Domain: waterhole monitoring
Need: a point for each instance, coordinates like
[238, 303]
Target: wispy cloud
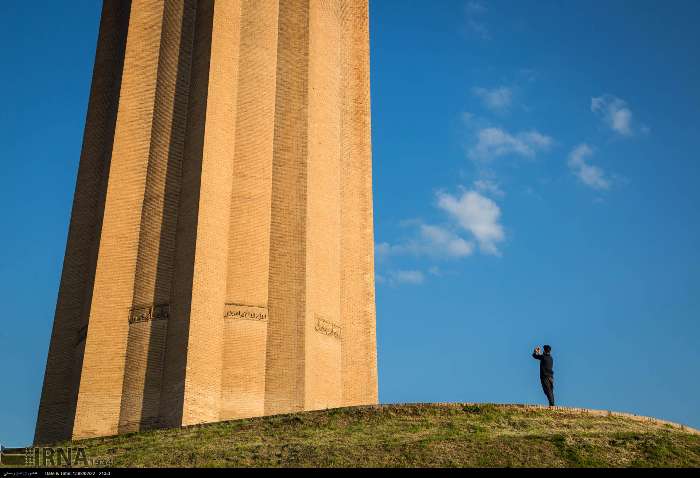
[477, 214]
[498, 100]
[407, 277]
[398, 277]
[431, 240]
[528, 74]
[590, 175]
[474, 12]
[493, 142]
[487, 186]
[479, 28]
[475, 7]
[446, 242]
[616, 114]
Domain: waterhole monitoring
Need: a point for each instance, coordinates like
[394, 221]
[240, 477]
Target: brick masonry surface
[219, 262]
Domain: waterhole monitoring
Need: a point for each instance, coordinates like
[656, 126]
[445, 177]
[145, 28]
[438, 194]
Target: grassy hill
[413, 435]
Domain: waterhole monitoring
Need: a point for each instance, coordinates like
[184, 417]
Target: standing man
[546, 371]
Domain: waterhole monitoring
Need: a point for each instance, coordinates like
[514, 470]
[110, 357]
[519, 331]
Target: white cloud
[615, 113]
[473, 10]
[441, 241]
[407, 277]
[488, 187]
[470, 212]
[431, 240]
[494, 142]
[480, 29]
[590, 175]
[475, 7]
[477, 214]
[395, 278]
[496, 99]
[537, 140]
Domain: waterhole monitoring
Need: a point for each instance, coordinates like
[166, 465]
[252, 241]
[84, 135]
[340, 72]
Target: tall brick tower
[219, 262]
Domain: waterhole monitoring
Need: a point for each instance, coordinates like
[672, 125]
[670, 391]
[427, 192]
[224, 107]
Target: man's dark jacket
[546, 364]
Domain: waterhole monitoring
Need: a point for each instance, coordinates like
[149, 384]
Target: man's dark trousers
[548, 388]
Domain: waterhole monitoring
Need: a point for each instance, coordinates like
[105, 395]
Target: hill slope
[413, 435]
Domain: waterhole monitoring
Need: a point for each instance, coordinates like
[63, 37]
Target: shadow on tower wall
[154, 375]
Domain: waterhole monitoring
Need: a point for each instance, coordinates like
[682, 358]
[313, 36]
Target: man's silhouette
[546, 372]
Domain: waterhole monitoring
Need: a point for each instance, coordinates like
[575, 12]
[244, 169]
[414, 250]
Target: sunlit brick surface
[219, 262]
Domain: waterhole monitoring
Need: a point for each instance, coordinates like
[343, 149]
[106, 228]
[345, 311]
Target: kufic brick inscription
[245, 312]
[326, 327]
[149, 313]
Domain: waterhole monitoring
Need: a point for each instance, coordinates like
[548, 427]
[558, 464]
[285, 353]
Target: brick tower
[219, 262]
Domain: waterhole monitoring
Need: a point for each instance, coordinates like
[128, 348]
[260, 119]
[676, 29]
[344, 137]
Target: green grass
[409, 436]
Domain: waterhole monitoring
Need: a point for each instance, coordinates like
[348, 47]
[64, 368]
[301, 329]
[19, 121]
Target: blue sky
[535, 181]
